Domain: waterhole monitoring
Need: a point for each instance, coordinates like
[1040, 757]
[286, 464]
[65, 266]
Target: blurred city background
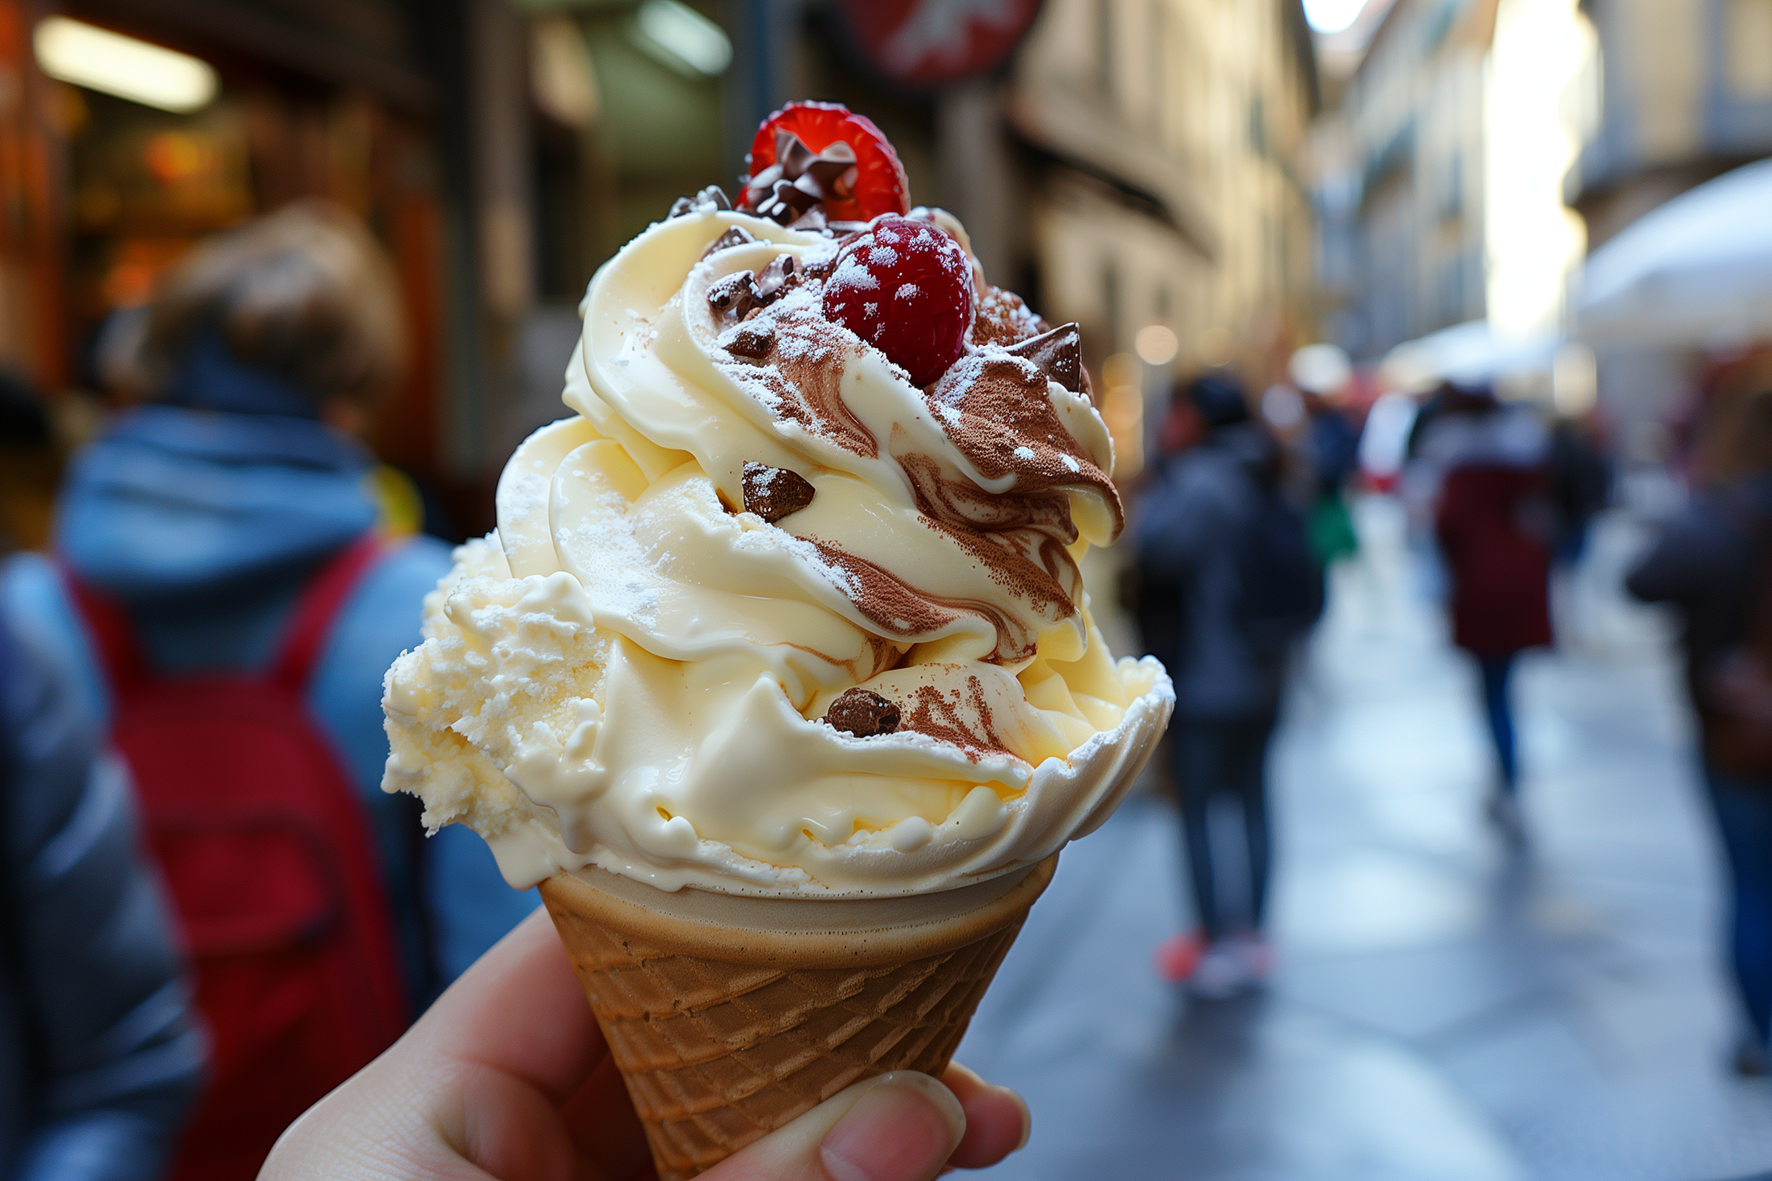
[1474, 971]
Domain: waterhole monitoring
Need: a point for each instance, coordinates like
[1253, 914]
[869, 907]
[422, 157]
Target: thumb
[901, 1126]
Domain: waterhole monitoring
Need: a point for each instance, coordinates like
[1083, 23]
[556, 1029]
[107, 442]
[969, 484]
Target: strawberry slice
[873, 184]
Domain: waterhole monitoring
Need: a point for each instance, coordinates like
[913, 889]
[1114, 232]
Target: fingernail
[903, 1129]
[1027, 1118]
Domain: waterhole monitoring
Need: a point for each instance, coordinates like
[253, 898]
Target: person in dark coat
[1493, 521]
[1713, 565]
[1193, 540]
[99, 1058]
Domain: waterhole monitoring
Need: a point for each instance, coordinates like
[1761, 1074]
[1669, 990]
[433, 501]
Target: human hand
[507, 1077]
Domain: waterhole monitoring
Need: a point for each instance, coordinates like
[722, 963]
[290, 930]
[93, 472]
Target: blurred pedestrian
[99, 1058]
[1485, 464]
[1713, 564]
[1580, 483]
[223, 548]
[1331, 444]
[1229, 583]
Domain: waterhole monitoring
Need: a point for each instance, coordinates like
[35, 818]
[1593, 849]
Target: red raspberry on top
[820, 153]
[905, 287]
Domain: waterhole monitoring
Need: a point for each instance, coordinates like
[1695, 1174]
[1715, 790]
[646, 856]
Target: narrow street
[1441, 1009]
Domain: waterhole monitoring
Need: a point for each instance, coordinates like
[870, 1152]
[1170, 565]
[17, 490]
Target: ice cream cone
[730, 1015]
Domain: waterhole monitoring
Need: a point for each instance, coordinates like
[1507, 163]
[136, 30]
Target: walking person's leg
[1744, 822]
[1504, 800]
[1497, 678]
[1194, 764]
[1248, 779]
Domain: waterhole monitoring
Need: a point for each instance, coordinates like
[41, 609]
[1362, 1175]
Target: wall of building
[1410, 170]
[1173, 195]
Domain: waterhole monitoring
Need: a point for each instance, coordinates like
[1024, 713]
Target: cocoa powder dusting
[1003, 317]
[898, 609]
[803, 377]
[962, 719]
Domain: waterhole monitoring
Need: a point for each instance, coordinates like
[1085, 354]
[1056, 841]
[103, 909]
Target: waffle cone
[728, 1016]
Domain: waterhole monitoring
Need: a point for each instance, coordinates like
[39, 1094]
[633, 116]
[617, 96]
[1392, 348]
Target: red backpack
[266, 852]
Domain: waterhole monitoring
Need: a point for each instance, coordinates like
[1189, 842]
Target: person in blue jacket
[205, 512]
[99, 1058]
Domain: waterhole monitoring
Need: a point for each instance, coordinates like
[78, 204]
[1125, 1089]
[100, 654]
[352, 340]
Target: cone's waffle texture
[722, 1044]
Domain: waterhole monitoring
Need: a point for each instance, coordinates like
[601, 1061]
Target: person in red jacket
[1493, 520]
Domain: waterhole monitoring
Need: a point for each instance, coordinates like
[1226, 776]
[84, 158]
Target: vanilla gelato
[652, 665]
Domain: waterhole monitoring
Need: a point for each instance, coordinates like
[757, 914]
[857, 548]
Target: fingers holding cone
[901, 1126]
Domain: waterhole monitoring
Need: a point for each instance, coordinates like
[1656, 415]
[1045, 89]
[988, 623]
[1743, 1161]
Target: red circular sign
[929, 42]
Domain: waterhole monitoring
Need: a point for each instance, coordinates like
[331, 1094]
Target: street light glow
[99, 59]
[1155, 344]
[683, 38]
[1332, 16]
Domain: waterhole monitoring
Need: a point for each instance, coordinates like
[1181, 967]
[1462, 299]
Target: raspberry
[905, 287]
[873, 185]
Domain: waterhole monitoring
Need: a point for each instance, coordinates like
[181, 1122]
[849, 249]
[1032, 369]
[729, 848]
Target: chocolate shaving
[733, 296]
[710, 200]
[784, 202]
[862, 713]
[773, 492]
[749, 340]
[801, 179]
[782, 272]
[734, 236]
[1058, 354]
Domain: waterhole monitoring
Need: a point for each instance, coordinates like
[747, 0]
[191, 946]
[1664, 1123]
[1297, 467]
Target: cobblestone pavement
[1441, 1009]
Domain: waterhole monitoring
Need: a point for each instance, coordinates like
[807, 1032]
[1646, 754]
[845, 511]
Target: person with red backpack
[1713, 565]
[224, 571]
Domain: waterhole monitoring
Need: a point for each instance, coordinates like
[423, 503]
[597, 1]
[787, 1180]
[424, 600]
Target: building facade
[1403, 192]
[1169, 143]
[1684, 93]
[1440, 169]
[1681, 93]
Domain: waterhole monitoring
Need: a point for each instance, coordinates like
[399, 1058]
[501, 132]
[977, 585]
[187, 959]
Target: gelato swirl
[753, 512]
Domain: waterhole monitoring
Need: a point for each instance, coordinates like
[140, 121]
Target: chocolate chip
[734, 236]
[710, 200]
[749, 340]
[1058, 354]
[773, 492]
[862, 713]
[734, 295]
[781, 273]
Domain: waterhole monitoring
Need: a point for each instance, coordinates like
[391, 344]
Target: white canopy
[1470, 352]
[1696, 271]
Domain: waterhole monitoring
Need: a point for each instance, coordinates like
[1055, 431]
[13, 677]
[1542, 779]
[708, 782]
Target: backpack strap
[310, 624]
[109, 629]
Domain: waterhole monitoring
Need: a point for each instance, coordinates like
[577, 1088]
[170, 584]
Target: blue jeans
[1744, 820]
[1497, 675]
